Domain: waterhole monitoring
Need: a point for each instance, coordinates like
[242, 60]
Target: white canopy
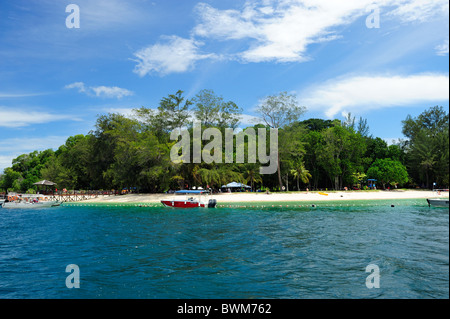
[45, 182]
[235, 185]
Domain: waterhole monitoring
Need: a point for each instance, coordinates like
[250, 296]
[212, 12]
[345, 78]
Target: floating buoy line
[254, 206]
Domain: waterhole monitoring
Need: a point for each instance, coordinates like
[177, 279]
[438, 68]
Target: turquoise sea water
[292, 252]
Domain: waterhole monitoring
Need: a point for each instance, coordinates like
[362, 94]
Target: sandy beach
[280, 197]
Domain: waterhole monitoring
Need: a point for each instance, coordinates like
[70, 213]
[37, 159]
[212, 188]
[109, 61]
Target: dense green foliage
[427, 147]
[134, 152]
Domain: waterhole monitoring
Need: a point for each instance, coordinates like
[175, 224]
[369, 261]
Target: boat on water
[438, 202]
[193, 199]
[28, 201]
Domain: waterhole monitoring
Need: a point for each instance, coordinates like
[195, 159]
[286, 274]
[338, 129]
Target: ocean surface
[295, 251]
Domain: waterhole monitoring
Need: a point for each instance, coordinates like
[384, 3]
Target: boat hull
[182, 204]
[30, 205]
[438, 202]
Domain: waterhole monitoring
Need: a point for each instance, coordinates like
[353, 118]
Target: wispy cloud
[274, 31]
[442, 49]
[19, 95]
[281, 31]
[14, 118]
[362, 93]
[417, 10]
[173, 55]
[100, 91]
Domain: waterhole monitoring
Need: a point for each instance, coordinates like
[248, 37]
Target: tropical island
[131, 154]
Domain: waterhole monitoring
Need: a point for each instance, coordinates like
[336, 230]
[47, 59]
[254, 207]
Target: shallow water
[288, 252]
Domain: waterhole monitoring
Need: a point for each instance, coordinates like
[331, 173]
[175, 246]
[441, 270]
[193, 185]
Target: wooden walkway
[78, 196]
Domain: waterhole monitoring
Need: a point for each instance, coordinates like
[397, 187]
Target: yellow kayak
[323, 194]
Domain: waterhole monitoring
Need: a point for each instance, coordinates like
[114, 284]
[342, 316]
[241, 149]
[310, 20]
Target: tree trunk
[279, 174]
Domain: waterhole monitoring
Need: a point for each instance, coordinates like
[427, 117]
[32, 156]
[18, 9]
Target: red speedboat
[190, 201]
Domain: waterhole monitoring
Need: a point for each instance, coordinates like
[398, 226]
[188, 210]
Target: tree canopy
[133, 152]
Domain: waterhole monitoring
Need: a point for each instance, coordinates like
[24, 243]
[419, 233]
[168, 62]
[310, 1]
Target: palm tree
[196, 174]
[252, 175]
[216, 176]
[209, 176]
[228, 175]
[301, 173]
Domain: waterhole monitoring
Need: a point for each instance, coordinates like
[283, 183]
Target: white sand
[279, 197]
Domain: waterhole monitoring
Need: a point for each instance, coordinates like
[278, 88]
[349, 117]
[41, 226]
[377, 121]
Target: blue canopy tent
[371, 182]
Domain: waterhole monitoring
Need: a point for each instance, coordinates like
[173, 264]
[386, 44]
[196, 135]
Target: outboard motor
[212, 203]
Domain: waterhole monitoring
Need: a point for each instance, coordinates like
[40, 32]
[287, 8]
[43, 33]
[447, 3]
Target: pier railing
[77, 196]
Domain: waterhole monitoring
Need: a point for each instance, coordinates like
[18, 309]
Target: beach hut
[45, 183]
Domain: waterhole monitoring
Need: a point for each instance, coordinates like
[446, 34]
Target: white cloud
[273, 30]
[392, 140]
[363, 93]
[13, 118]
[281, 31]
[77, 85]
[100, 91]
[175, 55]
[250, 120]
[442, 49]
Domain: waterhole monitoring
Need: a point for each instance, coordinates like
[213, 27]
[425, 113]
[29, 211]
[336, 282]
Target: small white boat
[438, 202]
[28, 201]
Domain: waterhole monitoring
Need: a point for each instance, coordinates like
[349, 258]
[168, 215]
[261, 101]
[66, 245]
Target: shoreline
[276, 197]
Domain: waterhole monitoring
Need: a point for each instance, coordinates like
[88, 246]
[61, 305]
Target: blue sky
[333, 55]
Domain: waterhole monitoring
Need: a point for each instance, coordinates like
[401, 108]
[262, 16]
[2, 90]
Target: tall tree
[428, 147]
[278, 111]
[212, 111]
[341, 155]
[174, 111]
